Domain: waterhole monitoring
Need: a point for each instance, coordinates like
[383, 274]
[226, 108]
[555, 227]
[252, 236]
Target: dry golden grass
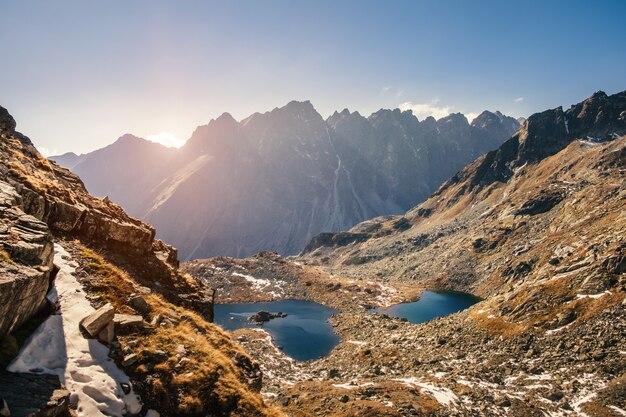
[208, 380]
[5, 257]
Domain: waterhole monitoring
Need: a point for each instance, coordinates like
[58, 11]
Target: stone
[156, 320]
[156, 356]
[130, 359]
[128, 323]
[140, 305]
[107, 334]
[97, 320]
[263, 316]
[125, 387]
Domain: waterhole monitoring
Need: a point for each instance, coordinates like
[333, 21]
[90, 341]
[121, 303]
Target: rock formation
[120, 269]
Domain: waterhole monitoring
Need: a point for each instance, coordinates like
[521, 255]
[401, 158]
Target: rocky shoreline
[464, 368]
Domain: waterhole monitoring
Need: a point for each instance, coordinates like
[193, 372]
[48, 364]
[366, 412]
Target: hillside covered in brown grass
[178, 362]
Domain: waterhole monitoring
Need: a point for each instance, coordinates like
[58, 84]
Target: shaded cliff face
[114, 257]
[275, 180]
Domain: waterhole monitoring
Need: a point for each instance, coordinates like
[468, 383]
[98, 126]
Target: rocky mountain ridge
[275, 180]
[64, 254]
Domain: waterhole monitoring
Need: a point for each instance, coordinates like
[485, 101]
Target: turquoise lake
[432, 304]
[304, 334]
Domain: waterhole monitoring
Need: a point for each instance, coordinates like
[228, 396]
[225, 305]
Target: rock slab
[98, 320]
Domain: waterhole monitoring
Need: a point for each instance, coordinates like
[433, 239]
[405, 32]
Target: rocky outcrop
[39, 199]
[599, 118]
[25, 261]
[264, 316]
[59, 200]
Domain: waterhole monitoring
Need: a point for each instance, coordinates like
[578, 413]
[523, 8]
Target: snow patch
[353, 385]
[386, 296]
[618, 410]
[558, 329]
[356, 342]
[443, 396]
[261, 284]
[57, 347]
[594, 296]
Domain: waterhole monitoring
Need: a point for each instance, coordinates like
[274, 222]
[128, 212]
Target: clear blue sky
[78, 74]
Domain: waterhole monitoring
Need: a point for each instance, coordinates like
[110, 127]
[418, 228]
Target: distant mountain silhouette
[274, 180]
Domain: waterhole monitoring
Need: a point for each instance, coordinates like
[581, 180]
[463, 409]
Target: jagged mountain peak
[489, 119]
[454, 118]
[7, 122]
[224, 118]
[298, 107]
[598, 118]
[393, 116]
[345, 116]
[486, 117]
[129, 138]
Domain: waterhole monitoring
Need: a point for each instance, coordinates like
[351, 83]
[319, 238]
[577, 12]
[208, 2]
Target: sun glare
[166, 139]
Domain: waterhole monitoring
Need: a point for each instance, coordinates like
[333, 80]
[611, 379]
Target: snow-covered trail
[57, 347]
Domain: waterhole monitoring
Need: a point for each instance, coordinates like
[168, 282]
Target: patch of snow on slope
[443, 396]
[57, 347]
[257, 283]
[386, 296]
[262, 284]
[595, 296]
[353, 385]
[618, 410]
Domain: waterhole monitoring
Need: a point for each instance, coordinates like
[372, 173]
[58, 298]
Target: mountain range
[272, 181]
[536, 228]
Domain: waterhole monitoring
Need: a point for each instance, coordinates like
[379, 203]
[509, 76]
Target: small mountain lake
[304, 334]
[432, 304]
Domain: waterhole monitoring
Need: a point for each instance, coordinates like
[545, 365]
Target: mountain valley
[536, 228]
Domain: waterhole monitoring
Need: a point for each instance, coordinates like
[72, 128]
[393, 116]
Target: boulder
[65, 217]
[140, 305]
[130, 359]
[98, 320]
[154, 356]
[263, 316]
[128, 323]
[107, 334]
[26, 252]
